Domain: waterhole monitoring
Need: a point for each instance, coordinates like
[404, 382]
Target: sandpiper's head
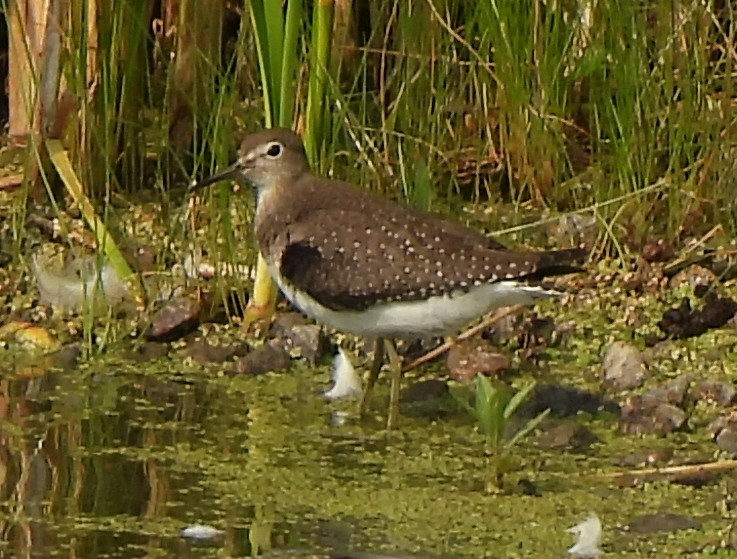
[265, 159]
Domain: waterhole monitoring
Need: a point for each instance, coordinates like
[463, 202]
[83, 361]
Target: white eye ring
[274, 150]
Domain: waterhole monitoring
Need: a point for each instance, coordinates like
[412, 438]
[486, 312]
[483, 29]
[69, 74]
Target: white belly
[436, 316]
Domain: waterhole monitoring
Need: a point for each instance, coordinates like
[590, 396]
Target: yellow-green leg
[395, 370]
[373, 375]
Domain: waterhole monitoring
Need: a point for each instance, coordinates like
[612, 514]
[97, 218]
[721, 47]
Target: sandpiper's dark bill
[231, 172]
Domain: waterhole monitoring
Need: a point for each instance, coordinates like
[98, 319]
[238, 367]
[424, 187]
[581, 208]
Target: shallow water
[110, 461]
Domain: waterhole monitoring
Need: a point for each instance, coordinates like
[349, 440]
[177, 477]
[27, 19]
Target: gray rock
[670, 392]
[623, 366]
[265, 358]
[727, 440]
[724, 431]
[469, 358]
[175, 319]
[640, 416]
[299, 337]
[310, 342]
[713, 391]
[565, 435]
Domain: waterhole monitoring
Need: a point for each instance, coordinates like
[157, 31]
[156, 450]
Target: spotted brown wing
[372, 259]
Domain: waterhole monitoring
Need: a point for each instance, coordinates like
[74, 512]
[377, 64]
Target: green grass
[644, 88]
[494, 406]
[623, 112]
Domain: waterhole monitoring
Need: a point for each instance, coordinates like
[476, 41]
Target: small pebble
[201, 532]
[623, 366]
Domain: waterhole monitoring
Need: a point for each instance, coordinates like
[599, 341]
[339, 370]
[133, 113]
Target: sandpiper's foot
[261, 306]
[395, 365]
[373, 375]
[257, 314]
[257, 320]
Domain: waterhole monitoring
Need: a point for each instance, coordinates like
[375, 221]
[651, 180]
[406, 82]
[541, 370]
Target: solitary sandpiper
[365, 265]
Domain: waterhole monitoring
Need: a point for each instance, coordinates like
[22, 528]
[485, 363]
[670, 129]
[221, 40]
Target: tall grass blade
[289, 63]
[322, 24]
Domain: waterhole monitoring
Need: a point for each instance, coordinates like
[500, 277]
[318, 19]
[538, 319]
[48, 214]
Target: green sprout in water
[494, 405]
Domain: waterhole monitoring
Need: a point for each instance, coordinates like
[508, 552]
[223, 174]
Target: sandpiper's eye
[274, 150]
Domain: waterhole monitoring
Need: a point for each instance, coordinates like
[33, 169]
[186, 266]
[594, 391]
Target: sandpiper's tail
[559, 262]
[525, 289]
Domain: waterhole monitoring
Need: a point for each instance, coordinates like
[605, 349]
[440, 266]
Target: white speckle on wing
[399, 316]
